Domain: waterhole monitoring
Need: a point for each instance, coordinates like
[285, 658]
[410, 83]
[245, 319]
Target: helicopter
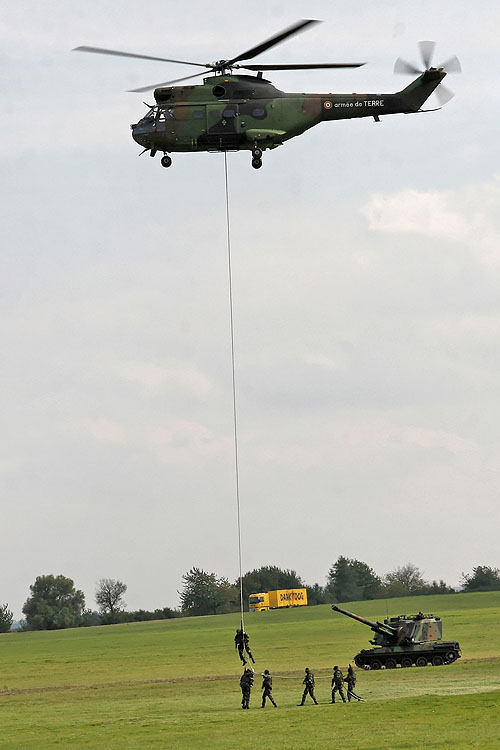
[235, 112]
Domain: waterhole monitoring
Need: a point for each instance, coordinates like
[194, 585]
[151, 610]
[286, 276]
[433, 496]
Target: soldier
[308, 681]
[241, 643]
[351, 684]
[337, 684]
[246, 682]
[267, 689]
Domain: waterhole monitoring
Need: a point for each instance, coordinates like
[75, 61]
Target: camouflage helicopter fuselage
[242, 112]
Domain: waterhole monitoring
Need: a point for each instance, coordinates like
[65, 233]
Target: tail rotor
[452, 65]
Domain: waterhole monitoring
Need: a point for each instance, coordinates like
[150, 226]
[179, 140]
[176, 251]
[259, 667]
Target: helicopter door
[181, 126]
[222, 125]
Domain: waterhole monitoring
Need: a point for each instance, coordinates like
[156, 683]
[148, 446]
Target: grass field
[175, 684]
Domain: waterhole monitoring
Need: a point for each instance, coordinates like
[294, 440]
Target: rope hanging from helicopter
[233, 380]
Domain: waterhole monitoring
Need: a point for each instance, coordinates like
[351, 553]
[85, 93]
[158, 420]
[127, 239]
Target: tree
[90, 618]
[268, 578]
[54, 603]
[482, 578]
[317, 594]
[366, 579]
[166, 613]
[6, 618]
[350, 580]
[109, 597]
[205, 594]
[404, 581]
[438, 587]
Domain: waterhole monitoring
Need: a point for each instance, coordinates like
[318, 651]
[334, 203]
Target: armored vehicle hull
[420, 655]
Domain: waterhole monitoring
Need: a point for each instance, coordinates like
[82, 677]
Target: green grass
[174, 684]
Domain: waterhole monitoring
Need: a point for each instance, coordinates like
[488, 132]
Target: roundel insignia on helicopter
[327, 104]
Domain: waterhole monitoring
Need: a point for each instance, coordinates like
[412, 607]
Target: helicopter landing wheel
[256, 163]
[257, 152]
[166, 161]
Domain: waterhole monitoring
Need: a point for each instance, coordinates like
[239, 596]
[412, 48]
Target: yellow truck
[277, 599]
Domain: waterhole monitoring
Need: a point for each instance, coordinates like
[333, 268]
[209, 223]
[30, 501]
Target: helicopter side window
[259, 113]
[198, 114]
[229, 113]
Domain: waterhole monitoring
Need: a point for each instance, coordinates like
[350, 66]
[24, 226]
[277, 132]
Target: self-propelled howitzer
[404, 640]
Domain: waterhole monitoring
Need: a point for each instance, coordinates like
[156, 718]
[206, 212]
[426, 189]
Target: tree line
[54, 603]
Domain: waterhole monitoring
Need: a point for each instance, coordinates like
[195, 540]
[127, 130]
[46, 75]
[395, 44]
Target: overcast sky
[366, 262]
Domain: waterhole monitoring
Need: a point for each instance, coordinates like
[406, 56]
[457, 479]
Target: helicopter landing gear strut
[256, 156]
[166, 161]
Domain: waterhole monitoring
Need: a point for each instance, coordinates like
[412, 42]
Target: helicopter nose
[140, 136]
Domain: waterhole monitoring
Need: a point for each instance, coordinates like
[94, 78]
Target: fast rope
[235, 418]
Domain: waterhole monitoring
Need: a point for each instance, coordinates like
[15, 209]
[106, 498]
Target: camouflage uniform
[241, 643]
[267, 688]
[337, 684]
[351, 682]
[246, 682]
[308, 681]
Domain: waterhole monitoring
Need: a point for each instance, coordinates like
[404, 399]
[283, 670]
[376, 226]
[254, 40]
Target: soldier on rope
[241, 643]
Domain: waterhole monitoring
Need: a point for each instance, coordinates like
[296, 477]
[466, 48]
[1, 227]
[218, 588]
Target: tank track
[446, 653]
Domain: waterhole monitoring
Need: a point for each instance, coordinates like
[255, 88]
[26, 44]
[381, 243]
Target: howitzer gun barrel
[377, 627]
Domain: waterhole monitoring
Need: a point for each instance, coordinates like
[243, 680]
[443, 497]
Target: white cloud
[467, 215]
[153, 378]
[181, 439]
[427, 213]
[104, 430]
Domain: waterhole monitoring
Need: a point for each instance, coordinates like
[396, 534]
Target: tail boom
[410, 99]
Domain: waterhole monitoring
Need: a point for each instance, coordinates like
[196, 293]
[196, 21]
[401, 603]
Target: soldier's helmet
[336, 667]
[266, 671]
[307, 669]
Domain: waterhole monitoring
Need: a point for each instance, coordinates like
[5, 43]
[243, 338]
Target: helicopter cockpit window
[150, 115]
[166, 114]
[259, 113]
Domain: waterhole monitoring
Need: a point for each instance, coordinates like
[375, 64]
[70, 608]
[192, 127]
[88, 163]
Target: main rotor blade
[444, 94]
[452, 65]
[405, 68]
[117, 53]
[309, 66]
[272, 41]
[165, 83]
[426, 52]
